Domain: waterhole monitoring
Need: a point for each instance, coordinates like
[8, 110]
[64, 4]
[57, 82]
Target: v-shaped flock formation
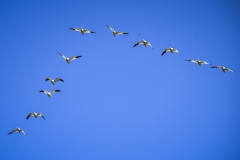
[115, 33]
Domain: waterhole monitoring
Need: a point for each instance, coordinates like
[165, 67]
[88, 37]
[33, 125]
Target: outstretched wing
[74, 57]
[229, 69]
[23, 132]
[204, 62]
[216, 67]
[194, 61]
[40, 114]
[43, 91]
[88, 31]
[12, 131]
[110, 28]
[55, 90]
[58, 79]
[63, 56]
[29, 115]
[75, 29]
[48, 79]
[166, 50]
[121, 33]
[141, 42]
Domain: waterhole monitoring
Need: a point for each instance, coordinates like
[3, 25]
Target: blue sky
[120, 102]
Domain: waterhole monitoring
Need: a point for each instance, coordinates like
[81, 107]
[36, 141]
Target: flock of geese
[115, 33]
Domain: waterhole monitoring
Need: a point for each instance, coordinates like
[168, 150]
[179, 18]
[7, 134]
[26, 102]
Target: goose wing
[141, 42]
[44, 91]
[48, 79]
[75, 29]
[88, 31]
[216, 67]
[23, 132]
[58, 79]
[63, 56]
[74, 57]
[229, 69]
[55, 90]
[110, 28]
[29, 115]
[15, 130]
[175, 50]
[204, 62]
[166, 50]
[40, 114]
[194, 61]
[121, 33]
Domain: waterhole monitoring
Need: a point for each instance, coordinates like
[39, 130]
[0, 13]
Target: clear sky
[120, 102]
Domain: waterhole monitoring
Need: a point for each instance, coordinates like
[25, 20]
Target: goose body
[68, 60]
[19, 130]
[198, 61]
[170, 49]
[49, 94]
[54, 80]
[36, 115]
[81, 30]
[224, 69]
[144, 42]
[115, 32]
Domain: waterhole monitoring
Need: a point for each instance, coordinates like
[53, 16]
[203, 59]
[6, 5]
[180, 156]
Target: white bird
[114, 32]
[49, 94]
[19, 130]
[198, 61]
[224, 69]
[170, 49]
[69, 59]
[82, 30]
[54, 80]
[36, 115]
[144, 42]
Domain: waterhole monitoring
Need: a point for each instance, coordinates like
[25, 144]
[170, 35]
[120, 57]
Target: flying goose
[198, 61]
[114, 32]
[54, 80]
[69, 59]
[224, 69]
[19, 130]
[144, 42]
[82, 30]
[170, 49]
[49, 94]
[36, 115]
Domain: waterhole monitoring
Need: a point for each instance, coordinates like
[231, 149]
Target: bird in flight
[144, 42]
[54, 80]
[170, 49]
[36, 115]
[69, 59]
[82, 30]
[49, 94]
[198, 61]
[114, 32]
[19, 130]
[224, 69]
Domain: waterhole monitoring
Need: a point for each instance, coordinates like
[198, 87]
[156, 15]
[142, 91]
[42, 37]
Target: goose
[170, 49]
[19, 130]
[114, 32]
[36, 115]
[49, 94]
[199, 62]
[54, 80]
[224, 69]
[82, 30]
[144, 42]
[69, 59]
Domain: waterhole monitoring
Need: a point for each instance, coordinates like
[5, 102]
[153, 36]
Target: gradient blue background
[120, 102]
